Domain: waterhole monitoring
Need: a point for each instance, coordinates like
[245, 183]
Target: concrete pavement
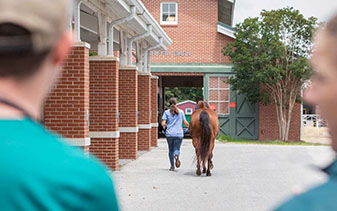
[245, 177]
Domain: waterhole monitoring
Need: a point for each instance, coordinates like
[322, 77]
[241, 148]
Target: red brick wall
[268, 123]
[196, 32]
[104, 108]
[128, 106]
[107, 150]
[154, 110]
[66, 106]
[144, 109]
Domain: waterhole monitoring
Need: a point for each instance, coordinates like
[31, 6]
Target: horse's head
[203, 104]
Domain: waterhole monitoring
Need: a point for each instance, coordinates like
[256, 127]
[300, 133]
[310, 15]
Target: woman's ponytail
[173, 106]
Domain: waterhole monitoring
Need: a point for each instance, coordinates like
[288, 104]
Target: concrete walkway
[245, 177]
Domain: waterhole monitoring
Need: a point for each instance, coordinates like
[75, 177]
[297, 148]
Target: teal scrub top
[38, 171]
[320, 198]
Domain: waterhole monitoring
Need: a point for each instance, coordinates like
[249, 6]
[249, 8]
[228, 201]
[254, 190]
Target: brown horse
[204, 128]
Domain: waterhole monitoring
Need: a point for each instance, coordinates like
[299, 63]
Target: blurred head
[34, 40]
[323, 91]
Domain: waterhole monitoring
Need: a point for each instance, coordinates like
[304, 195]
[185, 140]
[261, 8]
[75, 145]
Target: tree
[182, 94]
[270, 60]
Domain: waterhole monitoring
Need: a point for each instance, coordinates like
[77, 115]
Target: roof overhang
[115, 9]
[138, 25]
[226, 30]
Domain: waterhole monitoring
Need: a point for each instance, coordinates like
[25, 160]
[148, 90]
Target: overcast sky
[321, 9]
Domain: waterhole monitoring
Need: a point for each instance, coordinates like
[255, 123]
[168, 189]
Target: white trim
[145, 126]
[154, 77]
[155, 124]
[103, 58]
[128, 129]
[161, 14]
[104, 134]
[128, 67]
[81, 44]
[225, 31]
[187, 101]
[79, 141]
[143, 73]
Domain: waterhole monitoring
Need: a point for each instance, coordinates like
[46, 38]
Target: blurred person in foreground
[38, 171]
[323, 92]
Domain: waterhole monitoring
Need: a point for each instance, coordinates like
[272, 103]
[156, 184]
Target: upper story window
[168, 13]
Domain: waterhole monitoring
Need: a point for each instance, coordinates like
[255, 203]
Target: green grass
[228, 139]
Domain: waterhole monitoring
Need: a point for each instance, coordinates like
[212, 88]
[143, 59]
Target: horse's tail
[205, 135]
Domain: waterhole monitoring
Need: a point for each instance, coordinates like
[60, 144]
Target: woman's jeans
[174, 144]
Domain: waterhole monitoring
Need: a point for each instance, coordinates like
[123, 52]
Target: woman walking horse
[204, 128]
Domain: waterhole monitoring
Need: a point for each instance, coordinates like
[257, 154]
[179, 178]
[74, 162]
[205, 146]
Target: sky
[321, 9]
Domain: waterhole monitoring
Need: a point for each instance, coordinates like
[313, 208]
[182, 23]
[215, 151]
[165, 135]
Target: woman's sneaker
[172, 168]
[178, 163]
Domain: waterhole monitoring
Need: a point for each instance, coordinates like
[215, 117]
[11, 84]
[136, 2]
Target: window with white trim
[169, 13]
[188, 111]
[218, 93]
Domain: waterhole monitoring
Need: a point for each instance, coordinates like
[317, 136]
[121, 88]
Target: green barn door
[244, 117]
[238, 117]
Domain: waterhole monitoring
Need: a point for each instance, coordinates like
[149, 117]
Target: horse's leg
[208, 173]
[210, 164]
[196, 146]
[204, 167]
[211, 161]
[198, 172]
[198, 162]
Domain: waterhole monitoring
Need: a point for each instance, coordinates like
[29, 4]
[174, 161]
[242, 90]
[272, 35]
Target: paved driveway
[245, 177]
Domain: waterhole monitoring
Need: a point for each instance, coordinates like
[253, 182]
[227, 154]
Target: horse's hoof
[211, 166]
[204, 171]
[208, 174]
[198, 172]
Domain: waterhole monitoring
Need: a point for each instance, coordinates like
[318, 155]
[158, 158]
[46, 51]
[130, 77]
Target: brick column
[104, 132]
[154, 111]
[144, 111]
[128, 108]
[67, 107]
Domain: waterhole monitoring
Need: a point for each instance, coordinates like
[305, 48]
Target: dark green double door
[242, 120]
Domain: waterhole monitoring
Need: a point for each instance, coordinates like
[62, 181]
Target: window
[188, 111]
[169, 13]
[218, 94]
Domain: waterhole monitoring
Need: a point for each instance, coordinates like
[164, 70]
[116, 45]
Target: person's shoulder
[321, 197]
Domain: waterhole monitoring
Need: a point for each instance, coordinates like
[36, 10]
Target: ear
[62, 48]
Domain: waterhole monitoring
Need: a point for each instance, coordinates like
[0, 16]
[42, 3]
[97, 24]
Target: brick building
[200, 30]
[106, 98]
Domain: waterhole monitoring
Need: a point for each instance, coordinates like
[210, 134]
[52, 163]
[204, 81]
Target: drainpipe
[147, 55]
[77, 19]
[117, 22]
[135, 38]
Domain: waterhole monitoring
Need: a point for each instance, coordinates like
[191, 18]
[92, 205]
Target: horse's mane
[203, 104]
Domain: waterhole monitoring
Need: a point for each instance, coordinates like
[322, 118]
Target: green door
[240, 118]
[244, 118]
